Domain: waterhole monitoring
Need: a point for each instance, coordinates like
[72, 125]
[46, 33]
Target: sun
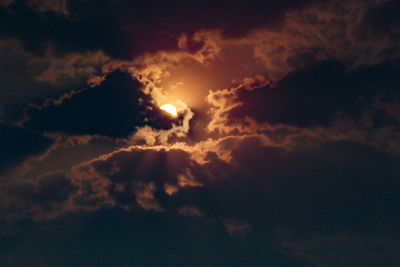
[170, 109]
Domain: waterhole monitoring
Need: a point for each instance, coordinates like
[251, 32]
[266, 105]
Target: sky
[285, 149]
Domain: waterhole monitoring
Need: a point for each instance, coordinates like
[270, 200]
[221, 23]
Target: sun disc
[170, 109]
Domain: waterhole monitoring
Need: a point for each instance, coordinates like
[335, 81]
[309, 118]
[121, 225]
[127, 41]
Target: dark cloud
[18, 143]
[28, 78]
[36, 30]
[314, 95]
[114, 108]
[342, 250]
[330, 189]
[51, 188]
[117, 237]
[324, 186]
[381, 18]
[122, 29]
[138, 176]
[291, 160]
[314, 187]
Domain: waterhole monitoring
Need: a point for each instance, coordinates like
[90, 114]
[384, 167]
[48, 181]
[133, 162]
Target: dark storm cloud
[333, 187]
[18, 143]
[122, 29]
[114, 108]
[328, 189]
[314, 95]
[118, 238]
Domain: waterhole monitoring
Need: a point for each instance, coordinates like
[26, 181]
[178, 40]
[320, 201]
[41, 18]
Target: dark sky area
[284, 149]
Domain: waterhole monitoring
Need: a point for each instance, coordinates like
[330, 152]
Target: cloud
[288, 122]
[319, 101]
[73, 66]
[286, 116]
[307, 97]
[327, 31]
[114, 108]
[64, 152]
[236, 229]
[56, 6]
[28, 78]
[314, 187]
[18, 143]
[6, 3]
[142, 175]
[95, 25]
[345, 250]
[43, 198]
[190, 211]
[145, 196]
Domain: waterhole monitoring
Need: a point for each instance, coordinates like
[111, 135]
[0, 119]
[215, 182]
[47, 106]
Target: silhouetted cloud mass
[284, 150]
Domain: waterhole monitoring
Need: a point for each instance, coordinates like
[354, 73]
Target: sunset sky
[200, 133]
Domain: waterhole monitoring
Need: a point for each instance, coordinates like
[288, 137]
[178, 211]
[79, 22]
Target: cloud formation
[285, 149]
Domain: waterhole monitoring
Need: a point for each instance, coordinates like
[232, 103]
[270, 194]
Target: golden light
[170, 109]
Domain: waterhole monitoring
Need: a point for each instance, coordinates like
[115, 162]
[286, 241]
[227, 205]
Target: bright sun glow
[170, 109]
